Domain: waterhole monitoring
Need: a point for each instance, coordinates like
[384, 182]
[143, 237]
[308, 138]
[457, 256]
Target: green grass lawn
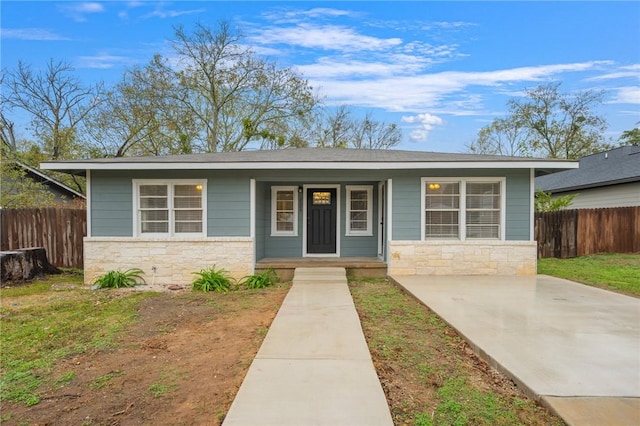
[616, 272]
[429, 373]
[51, 319]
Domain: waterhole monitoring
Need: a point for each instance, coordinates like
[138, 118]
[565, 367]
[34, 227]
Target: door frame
[382, 219]
[304, 219]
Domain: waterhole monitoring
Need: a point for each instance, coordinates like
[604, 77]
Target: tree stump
[25, 264]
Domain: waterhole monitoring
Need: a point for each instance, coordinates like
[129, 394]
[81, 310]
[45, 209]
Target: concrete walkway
[574, 347]
[314, 366]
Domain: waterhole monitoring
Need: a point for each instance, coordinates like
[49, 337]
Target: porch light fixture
[434, 186]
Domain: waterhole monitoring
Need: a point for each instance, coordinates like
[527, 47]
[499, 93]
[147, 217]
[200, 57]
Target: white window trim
[170, 183]
[359, 233]
[462, 228]
[274, 229]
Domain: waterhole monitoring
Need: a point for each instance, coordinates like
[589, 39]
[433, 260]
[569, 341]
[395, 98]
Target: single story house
[605, 179]
[416, 212]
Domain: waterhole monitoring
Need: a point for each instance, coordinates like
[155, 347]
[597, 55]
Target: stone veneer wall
[175, 260]
[462, 258]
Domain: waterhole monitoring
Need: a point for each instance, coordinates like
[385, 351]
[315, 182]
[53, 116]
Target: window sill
[360, 234]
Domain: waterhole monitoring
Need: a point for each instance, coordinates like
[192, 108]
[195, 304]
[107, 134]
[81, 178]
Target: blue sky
[440, 70]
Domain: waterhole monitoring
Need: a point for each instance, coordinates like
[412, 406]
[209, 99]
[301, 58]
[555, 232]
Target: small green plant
[118, 279]
[102, 381]
[264, 279]
[65, 378]
[212, 279]
[545, 203]
[157, 390]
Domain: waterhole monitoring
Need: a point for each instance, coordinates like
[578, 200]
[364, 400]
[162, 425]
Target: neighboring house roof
[307, 158]
[619, 165]
[50, 182]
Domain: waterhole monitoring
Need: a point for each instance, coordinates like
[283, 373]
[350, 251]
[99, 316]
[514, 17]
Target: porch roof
[311, 158]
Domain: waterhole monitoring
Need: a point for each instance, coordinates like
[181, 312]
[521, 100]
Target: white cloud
[284, 16]
[78, 11]
[425, 119]
[626, 95]
[428, 91]
[328, 37]
[452, 24]
[419, 135]
[103, 61]
[38, 34]
[163, 14]
[632, 71]
[426, 122]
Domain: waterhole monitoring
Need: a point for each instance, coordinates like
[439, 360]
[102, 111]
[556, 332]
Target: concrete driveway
[575, 348]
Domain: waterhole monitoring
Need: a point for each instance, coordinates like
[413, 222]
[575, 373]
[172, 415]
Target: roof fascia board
[312, 165]
[594, 185]
[51, 180]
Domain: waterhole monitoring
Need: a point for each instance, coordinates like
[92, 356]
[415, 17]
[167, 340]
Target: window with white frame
[463, 208]
[170, 207]
[483, 210]
[442, 209]
[284, 211]
[359, 210]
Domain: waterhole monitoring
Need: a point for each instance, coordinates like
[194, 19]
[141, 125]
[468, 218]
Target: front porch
[355, 266]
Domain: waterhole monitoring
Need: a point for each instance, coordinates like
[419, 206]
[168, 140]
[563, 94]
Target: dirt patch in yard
[181, 364]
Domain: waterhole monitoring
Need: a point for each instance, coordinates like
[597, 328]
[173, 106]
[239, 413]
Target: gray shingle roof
[304, 155]
[618, 165]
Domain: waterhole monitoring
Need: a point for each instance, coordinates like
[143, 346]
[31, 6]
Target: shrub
[117, 279]
[264, 279]
[212, 279]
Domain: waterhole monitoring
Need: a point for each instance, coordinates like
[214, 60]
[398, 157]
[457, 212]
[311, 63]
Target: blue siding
[228, 201]
[228, 195]
[518, 206]
[111, 205]
[292, 246]
[406, 207]
[351, 245]
[406, 200]
[280, 246]
[261, 218]
[229, 208]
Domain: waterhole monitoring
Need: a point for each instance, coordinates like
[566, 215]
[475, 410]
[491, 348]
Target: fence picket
[581, 232]
[59, 230]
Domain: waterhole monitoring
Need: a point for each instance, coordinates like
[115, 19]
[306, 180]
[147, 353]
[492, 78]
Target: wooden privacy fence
[571, 233]
[59, 230]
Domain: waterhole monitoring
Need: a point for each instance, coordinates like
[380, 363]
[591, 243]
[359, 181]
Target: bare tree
[546, 123]
[560, 125]
[56, 101]
[504, 136]
[141, 116]
[238, 98]
[371, 134]
[340, 129]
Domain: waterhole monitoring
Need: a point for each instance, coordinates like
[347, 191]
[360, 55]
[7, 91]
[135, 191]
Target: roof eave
[594, 185]
[52, 181]
[74, 167]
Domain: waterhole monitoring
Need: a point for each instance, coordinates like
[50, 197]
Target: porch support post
[389, 223]
[532, 196]
[252, 220]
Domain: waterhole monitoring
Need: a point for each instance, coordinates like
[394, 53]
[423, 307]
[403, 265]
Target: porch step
[370, 267]
[329, 275]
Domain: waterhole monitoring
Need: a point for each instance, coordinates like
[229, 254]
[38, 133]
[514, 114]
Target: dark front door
[321, 221]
